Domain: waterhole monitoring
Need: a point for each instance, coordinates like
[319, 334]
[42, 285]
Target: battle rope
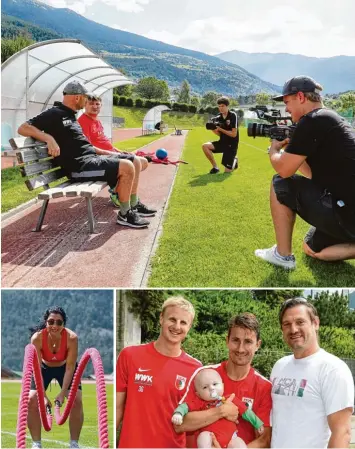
[31, 365]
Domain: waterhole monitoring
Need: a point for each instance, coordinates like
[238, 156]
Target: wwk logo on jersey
[143, 379]
[180, 382]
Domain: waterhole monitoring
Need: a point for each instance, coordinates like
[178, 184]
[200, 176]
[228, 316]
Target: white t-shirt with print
[304, 392]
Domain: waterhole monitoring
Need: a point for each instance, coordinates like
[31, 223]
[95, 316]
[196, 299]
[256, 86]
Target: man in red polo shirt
[240, 379]
[94, 132]
[152, 378]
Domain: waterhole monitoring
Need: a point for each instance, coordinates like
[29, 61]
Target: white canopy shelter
[34, 78]
[152, 117]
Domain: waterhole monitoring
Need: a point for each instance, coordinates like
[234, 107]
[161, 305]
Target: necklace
[53, 343]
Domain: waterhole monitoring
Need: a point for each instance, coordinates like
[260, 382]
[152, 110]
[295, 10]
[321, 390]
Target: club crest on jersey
[67, 122]
[249, 402]
[228, 122]
[180, 382]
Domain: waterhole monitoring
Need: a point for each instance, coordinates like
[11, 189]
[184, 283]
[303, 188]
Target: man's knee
[144, 163]
[126, 167]
[307, 250]
[32, 400]
[206, 147]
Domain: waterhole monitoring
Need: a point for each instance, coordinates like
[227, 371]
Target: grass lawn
[59, 435]
[13, 189]
[134, 117]
[215, 222]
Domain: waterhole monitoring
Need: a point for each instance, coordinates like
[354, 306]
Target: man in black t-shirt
[81, 161]
[229, 139]
[322, 148]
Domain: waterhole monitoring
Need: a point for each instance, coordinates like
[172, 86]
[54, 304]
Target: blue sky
[318, 28]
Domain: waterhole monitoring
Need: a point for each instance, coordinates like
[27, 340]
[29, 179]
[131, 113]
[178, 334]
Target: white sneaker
[74, 444]
[269, 254]
[37, 444]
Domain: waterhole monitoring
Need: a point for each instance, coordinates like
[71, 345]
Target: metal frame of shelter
[34, 78]
[152, 117]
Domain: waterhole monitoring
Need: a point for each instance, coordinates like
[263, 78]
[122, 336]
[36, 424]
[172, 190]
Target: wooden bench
[41, 170]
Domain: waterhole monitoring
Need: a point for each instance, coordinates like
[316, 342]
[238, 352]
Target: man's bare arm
[263, 440]
[305, 169]
[28, 130]
[232, 133]
[340, 427]
[101, 152]
[196, 420]
[120, 405]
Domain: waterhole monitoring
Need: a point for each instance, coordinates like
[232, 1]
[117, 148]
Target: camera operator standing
[322, 148]
[226, 128]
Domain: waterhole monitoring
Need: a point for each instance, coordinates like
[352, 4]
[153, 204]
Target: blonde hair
[178, 301]
[313, 97]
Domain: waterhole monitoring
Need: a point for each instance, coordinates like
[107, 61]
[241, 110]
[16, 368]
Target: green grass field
[215, 222]
[58, 437]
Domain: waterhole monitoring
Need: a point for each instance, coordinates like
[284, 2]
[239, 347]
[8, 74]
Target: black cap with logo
[299, 84]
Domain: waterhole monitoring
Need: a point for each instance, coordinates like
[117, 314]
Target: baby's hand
[260, 431]
[176, 419]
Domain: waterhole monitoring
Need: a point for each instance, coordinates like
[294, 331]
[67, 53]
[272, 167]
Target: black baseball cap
[299, 84]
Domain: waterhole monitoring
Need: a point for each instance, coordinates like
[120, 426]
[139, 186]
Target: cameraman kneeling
[322, 148]
[226, 128]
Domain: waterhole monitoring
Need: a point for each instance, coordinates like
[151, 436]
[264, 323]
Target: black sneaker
[143, 211]
[131, 219]
[214, 170]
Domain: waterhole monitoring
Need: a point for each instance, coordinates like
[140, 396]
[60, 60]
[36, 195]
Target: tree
[125, 91]
[11, 46]
[209, 99]
[262, 98]
[333, 310]
[152, 88]
[347, 101]
[195, 101]
[233, 102]
[274, 298]
[184, 95]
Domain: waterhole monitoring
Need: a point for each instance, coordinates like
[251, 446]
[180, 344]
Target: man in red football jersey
[95, 133]
[241, 380]
[151, 379]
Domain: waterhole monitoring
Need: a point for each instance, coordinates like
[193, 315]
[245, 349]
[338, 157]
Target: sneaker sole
[281, 265]
[131, 225]
[142, 214]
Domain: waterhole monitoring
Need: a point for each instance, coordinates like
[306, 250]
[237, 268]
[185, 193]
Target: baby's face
[209, 385]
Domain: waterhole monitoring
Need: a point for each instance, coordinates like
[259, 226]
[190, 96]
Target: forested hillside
[89, 312]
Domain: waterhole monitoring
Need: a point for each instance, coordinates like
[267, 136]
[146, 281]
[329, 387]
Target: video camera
[213, 122]
[275, 130]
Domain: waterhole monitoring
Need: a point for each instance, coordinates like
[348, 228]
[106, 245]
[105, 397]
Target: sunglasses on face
[57, 322]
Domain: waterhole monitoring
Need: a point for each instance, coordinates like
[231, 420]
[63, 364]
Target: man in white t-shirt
[312, 391]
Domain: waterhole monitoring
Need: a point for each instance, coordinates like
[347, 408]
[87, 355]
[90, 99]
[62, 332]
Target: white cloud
[134, 6]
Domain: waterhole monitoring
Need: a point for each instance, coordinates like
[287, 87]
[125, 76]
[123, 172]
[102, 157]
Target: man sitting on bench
[94, 132]
[81, 161]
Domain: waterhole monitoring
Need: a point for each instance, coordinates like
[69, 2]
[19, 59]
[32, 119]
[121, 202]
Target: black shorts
[317, 207]
[50, 372]
[100, 168]
[229, 153]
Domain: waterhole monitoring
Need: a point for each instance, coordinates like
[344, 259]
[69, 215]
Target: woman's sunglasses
[57, 322]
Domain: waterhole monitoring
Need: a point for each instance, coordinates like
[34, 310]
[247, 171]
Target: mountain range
[232, 73]
[137, 55]
[336, 74]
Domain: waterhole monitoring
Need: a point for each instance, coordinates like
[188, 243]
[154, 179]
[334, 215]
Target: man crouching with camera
[225, 126]
[322, 148]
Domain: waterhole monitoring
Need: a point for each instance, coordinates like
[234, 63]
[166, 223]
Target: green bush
[201, 111]
[122, 101]
[192, 108]
[115, 99]
[139, 103]
[129, 102]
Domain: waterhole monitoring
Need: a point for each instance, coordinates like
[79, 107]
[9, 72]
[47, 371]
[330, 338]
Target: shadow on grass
[203, 180]
[331, 274]
[326, 274]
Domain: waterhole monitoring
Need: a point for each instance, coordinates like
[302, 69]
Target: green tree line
[207, 339]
